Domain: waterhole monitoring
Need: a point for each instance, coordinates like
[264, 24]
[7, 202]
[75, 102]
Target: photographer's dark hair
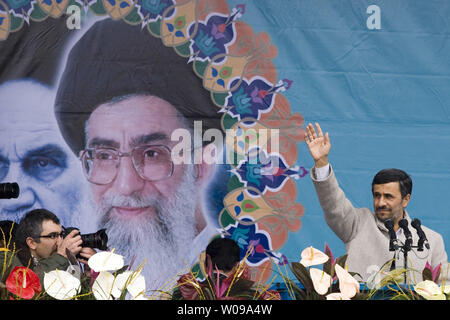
[394, 175]
[224, 253]
[31, 226]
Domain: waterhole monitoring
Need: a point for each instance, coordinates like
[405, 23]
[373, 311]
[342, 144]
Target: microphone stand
[407, 246]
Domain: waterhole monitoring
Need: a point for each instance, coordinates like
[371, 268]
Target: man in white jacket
[364, 233]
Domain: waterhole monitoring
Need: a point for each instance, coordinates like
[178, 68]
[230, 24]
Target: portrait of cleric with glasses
[117, 106]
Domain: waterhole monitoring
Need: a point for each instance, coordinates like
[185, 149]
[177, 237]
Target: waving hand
[318, 144]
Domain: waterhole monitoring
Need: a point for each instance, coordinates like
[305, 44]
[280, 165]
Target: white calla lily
[311, 256]
[429, 290]
[321, 280]
[348, 285]
[103, 286]
[132, 281]
[61, 285]
[446, 289]
[105, 261]
[336, 296]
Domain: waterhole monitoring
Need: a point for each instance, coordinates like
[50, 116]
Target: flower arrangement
[218, 286]
[107, 279]
[318, 276]
[330, 282]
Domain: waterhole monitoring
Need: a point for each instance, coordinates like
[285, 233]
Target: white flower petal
[311, 256]
[61, 284]
[446, 289]
[102, 286]
[321, 280]
[429, 290]
[105, 261]
[348, 285]
[136, 284]
[133, 281]
[336, 296]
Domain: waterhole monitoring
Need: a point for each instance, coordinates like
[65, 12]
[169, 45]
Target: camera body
[97, 240]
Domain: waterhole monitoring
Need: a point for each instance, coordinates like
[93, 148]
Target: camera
[97, 240]
[9, 190]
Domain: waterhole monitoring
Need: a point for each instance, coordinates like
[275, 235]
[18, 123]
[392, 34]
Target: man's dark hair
[394, 175]
[31, 224]
[114, 59]
[8, 230]
[224, 253]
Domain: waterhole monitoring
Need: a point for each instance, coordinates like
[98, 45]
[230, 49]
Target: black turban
[114, 59]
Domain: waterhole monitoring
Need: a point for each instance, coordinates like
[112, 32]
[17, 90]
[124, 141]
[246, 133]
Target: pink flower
[434, 272]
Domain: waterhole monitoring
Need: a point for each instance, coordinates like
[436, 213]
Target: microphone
[403, 223]
[422, 237]
[393, 245]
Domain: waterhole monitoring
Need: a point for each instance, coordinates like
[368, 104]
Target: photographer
[42, 246]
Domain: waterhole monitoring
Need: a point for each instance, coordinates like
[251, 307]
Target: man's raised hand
[318, 145]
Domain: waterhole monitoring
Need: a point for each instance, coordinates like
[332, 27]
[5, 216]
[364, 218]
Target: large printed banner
[173, 122]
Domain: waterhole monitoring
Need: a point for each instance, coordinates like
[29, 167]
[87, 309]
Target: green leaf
[226, 219]
[219, 99]
[133, 17]
[342, 260]
[427, 275]
[155, 27]
[228, 121]
[299, 293]
[183, 50]
[98, 8]
[200, 67]
[121, 270]
[37, 14]
[234, 183]
[239, 287]
[16, 23]
[302, 275]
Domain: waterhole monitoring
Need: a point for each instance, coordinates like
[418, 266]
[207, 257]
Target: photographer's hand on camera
[86, 253]
[72, 242]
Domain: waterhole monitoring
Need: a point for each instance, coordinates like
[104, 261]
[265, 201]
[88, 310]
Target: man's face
[46, 246]
[34, 154]
[145, 220]
[388, 202]
[134, 122]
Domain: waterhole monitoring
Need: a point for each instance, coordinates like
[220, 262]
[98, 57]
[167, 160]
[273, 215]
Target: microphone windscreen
[403, 223]
[415, 223]
[389, 224]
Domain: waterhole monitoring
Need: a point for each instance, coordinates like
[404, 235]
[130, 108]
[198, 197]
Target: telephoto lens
[97, 240]
[9, 190]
